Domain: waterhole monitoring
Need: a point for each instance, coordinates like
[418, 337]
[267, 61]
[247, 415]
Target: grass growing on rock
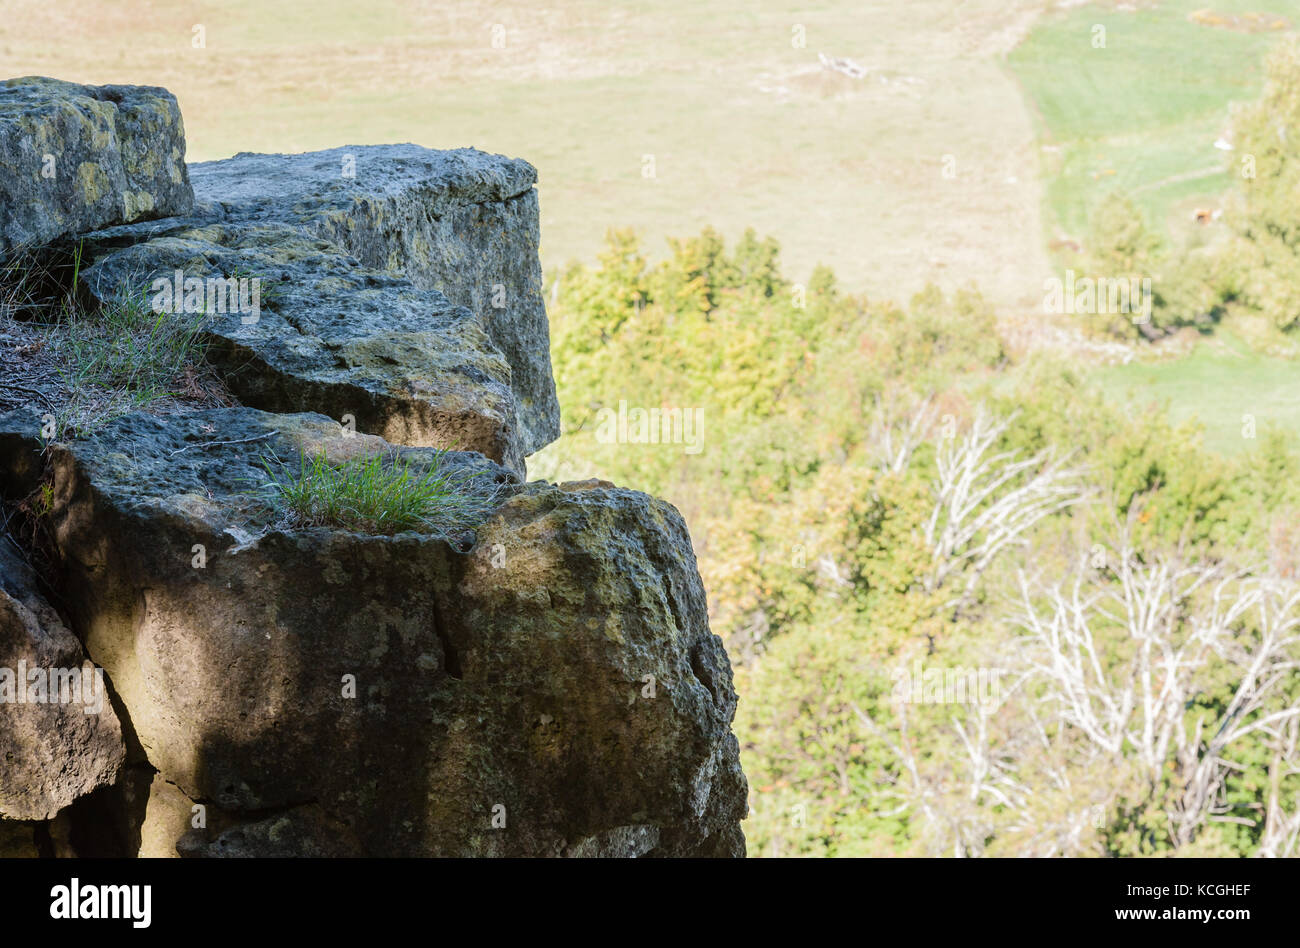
[128, 350]
[85, 366]
[380, 495]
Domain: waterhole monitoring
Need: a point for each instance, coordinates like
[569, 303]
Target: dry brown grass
[82, 367]
[841, 172]
[1241, 22]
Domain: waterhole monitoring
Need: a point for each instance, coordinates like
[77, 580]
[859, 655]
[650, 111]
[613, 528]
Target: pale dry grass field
[745, 127]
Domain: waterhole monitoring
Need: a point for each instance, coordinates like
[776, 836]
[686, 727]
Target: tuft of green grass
[123, 357]
[379, 495]
[88, 365]
[128, 349]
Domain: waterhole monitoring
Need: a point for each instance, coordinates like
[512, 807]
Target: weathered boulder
[462, 221]
[553, 689]
[76, 158]
[584, 602]
[537, 679]
[319, 332]
[59, 736]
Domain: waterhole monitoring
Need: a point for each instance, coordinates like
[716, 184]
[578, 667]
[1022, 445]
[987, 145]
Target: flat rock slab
[77, 158]
[463, 222]
[59, 738]
[546, 686]
[323, 333]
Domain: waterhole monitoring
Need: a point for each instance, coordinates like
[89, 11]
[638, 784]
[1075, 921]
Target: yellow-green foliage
[1258, 267]
[812, 546]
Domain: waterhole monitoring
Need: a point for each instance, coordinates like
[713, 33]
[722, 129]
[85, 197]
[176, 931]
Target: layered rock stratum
[541, 681]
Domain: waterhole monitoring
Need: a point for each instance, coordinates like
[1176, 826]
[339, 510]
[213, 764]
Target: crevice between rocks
[450, 657]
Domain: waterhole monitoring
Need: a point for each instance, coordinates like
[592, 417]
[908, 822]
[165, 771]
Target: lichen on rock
[77, 158]
[319, 332]
[535, 677]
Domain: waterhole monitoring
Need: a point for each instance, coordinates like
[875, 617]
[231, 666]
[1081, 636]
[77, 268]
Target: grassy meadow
[744, 126]
[669, 117]
[1219, 384]
[1142, 116]
[890, 470]
[1143, 113]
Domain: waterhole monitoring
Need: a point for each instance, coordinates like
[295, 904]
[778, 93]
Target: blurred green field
[1141, 115]
[1219, 384]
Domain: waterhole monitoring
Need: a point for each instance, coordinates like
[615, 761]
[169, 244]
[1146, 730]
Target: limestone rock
[463, 222]
[68, 741]
[168, 817]
[233, 672]
[552, 690]
[586, 603]
[78, 158]
[541, 681]
[318, 332]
